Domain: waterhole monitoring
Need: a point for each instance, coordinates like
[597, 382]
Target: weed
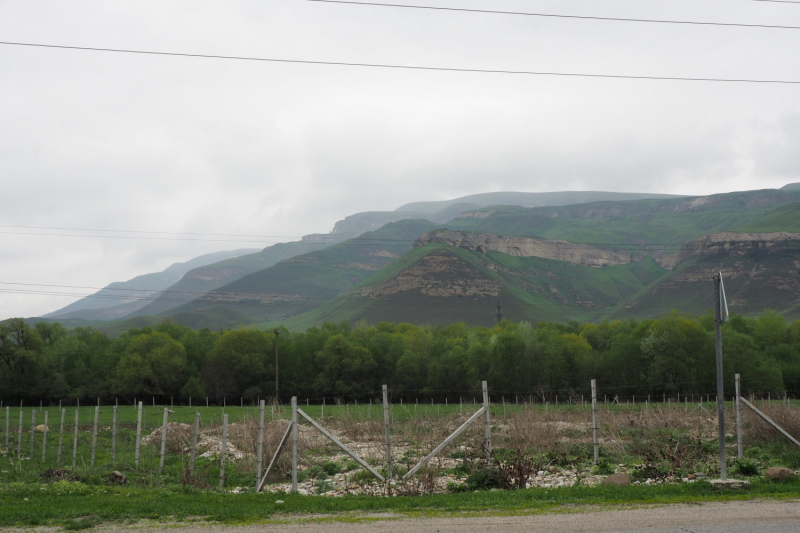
[331, 468]
[78, 525]
[485, 479]
[746, 467]
[603, 468]
[322, 486]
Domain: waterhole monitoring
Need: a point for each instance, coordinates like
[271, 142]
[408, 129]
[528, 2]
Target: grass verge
[78, 506]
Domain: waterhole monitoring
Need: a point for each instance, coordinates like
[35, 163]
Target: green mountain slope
[307, 281]
[669, 221]
[201, 280]
[336, 283]
[122, 298]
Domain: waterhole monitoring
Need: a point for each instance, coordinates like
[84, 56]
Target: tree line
[672, 355]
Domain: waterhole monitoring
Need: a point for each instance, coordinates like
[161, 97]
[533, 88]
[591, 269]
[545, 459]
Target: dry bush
[757, 430]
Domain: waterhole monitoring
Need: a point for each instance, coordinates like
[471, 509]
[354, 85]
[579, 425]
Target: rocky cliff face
[734, 243]
[440, 274]
[577, 254]
[727, 243]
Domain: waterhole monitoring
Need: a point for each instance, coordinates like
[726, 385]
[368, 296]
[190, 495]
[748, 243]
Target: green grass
[76, 505]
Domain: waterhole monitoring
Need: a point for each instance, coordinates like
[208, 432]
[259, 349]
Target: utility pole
[499, 315]
[720, 316]
[277, 388]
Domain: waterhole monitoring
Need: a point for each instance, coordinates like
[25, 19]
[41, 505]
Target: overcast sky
[116, 141]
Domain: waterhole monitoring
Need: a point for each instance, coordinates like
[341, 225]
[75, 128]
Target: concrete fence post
[595, 438]
[138, 434]
[94, 433]
[163, 441]
[61, 436]
[44, 437]
[387, 432]
[260, 451]
[114, 434]
[223, 451]
[739, 448]
[294, 443]
[487, 422]
[75, 441]
[19, 435]
[33, 432]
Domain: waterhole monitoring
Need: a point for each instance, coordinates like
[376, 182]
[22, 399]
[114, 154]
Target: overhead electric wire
[561, 16]
[541, 242]
[153, 232]
[221, 295]
[409, 67]
[296, 302]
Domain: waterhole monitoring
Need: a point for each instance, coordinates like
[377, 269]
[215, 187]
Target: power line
[410, 67]
[297, 301]
[551, 15]
[541, 242]
[153, 232]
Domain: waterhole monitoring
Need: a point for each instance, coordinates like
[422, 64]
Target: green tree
[238, 362]
[153, 364]
[344, 368]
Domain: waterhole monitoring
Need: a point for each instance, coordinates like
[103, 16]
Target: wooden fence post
[488, 424]
[138, 434]
[163, 441]
[8, 425]
[294, 443]
[594, 423]
[114, 434]
[224, 451]
[94, 434]
[61, 436]
[75, 441]
[260, 452]
[44, 437]
[388, 433]
[194, 443]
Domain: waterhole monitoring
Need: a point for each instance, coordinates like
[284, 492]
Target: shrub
[745, 467]
[331, 468]
[485, 479]
[603, 468]
[323, 486]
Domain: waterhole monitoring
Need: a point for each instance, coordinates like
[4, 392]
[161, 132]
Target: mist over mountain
[122, 298]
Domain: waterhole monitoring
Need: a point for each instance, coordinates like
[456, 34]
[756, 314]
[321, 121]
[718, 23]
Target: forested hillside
[670, 355]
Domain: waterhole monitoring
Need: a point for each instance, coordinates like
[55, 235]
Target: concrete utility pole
[719, 295]
[277, 388]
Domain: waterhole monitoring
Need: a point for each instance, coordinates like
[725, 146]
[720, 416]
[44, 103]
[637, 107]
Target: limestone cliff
[726, 243]
[575, 253]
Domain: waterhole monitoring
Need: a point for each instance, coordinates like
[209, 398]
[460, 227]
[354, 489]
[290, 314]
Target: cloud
[123, 142]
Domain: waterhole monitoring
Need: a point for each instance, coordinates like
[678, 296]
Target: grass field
[80, 506]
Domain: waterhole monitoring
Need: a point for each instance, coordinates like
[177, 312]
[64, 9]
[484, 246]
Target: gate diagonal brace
[445, 442]
[769, 421]
[344, 448]
[275, 457]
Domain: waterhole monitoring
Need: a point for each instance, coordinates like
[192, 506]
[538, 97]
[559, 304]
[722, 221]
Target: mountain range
[525, 256]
